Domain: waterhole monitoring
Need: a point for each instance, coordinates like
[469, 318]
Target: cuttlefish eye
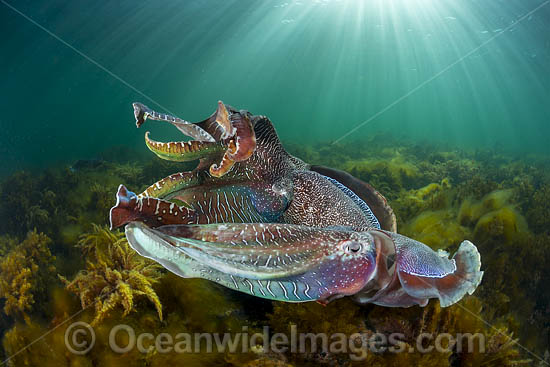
[352, 247]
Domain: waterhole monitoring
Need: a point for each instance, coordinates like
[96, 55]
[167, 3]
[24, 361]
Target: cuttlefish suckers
[296, 263]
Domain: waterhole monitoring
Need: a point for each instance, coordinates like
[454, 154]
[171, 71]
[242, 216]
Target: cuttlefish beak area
[227, 136]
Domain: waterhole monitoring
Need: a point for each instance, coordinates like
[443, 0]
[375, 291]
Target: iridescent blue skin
[272, 227]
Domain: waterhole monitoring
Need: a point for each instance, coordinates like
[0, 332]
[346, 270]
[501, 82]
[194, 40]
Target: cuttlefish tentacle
[152, 211]
[222, 119]
[422, 273]
[194, 203]
[176, 182]
[241, 145]
[142, 113]
[245, 138]
[183, 151]
[235, 130]
[151, 245]
[225, 165]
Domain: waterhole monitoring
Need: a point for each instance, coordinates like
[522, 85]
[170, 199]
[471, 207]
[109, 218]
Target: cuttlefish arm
[185, 198]
[227, 131]
[154, 212]
[142, 113]
[184, 151]
[241, 142]
[299, 263]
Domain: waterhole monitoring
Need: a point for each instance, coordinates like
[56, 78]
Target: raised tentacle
[225, 165]
[183, 151]
[142, 113]
[173, 183]
[241, 145]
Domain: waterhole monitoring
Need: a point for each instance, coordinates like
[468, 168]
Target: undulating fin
[376, 202]
[422, 273]
[373, 221]
[154, 212]
[449, 286]
[142, 113]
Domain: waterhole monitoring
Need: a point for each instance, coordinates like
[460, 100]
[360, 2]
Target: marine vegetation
[115, 275]
[24, 273]
[494, 346]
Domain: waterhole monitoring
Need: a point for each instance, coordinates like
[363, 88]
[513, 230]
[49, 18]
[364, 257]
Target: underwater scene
[275, 183]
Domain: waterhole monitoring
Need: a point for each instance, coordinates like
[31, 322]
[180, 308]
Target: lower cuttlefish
[256, 219]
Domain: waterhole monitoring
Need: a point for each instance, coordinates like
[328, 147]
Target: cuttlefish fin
[462, 276]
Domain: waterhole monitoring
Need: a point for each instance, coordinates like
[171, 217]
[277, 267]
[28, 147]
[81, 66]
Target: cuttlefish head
[226, 137]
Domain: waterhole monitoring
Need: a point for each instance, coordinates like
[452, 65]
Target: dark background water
[316, 68]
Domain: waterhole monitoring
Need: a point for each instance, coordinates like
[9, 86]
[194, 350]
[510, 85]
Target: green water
[316, 68]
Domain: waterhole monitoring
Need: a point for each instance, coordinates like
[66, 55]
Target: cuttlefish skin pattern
[256, 219]
[269, 186]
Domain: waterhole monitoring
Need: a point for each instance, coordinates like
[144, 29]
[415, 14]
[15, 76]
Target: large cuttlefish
[256, 219]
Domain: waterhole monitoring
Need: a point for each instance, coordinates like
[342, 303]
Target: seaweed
[25, 272]
[538, 212]
[115, 275]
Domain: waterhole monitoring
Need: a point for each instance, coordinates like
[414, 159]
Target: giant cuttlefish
[256, 219]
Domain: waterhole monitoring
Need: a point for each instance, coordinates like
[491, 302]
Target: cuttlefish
[254, 218]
